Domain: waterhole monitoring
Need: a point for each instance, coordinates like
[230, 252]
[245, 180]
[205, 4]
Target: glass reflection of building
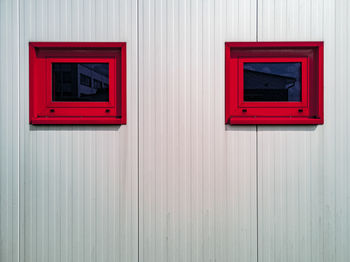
[80, 82]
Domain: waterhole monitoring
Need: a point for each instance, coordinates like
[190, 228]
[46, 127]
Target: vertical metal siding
[303, 171]
[175, 183]
[9, 174]
[79, 183]
[197, 177]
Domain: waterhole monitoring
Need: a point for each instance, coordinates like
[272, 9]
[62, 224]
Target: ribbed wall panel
[175, 183]
[79, 183]
[9, 174]
[197, 177]
[303, 184]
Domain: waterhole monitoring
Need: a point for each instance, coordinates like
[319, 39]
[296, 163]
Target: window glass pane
[272, 82]
[80, 82]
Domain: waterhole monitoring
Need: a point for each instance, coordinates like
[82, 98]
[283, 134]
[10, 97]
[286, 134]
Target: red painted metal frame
[41, 57]
[308, 111]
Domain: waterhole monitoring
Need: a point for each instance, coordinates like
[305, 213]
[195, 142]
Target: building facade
[175, 183]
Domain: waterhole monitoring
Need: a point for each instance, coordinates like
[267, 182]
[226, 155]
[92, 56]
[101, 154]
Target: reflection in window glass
[80, 82]
[97, 84]
[272, 82]
[85, 80]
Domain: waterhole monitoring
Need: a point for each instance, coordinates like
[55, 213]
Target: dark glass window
[97, 84]
[73, 82]
[85, 80]
[272, 82]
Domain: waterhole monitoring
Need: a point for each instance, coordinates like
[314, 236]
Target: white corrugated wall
[175, 183]
[9, 131]
[197, 176]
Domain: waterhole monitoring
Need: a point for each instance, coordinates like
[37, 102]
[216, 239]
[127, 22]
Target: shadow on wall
[240, 128]
[74, 127]
[232, 128]
[279, 128]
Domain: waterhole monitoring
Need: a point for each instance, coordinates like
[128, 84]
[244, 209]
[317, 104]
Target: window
[66, 87]
[274, 83]
[77, 83]
[97, 84]
[85, 80]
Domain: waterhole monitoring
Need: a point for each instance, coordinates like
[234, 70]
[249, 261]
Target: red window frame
[308, 111]
[43, 110]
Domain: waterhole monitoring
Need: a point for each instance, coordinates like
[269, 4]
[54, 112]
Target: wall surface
[303, 172]
[9, 131]
[175, 183]
[197, 176]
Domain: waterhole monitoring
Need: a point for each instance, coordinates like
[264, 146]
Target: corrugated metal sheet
[197, 177]
[79, 183]
[175, 183]
[9, 155]
[303, 171]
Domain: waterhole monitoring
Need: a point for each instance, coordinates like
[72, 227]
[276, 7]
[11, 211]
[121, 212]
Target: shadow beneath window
[271, 128]
[74, 128]
[287, 128]
[240, 128]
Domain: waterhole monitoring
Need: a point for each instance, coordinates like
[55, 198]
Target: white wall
[175, 183]
[9, 131]
[304, 204]
[197, 176]
[78, 184]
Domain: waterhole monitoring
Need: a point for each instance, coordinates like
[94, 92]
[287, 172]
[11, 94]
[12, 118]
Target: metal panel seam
[18, 134]
[138, 126]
